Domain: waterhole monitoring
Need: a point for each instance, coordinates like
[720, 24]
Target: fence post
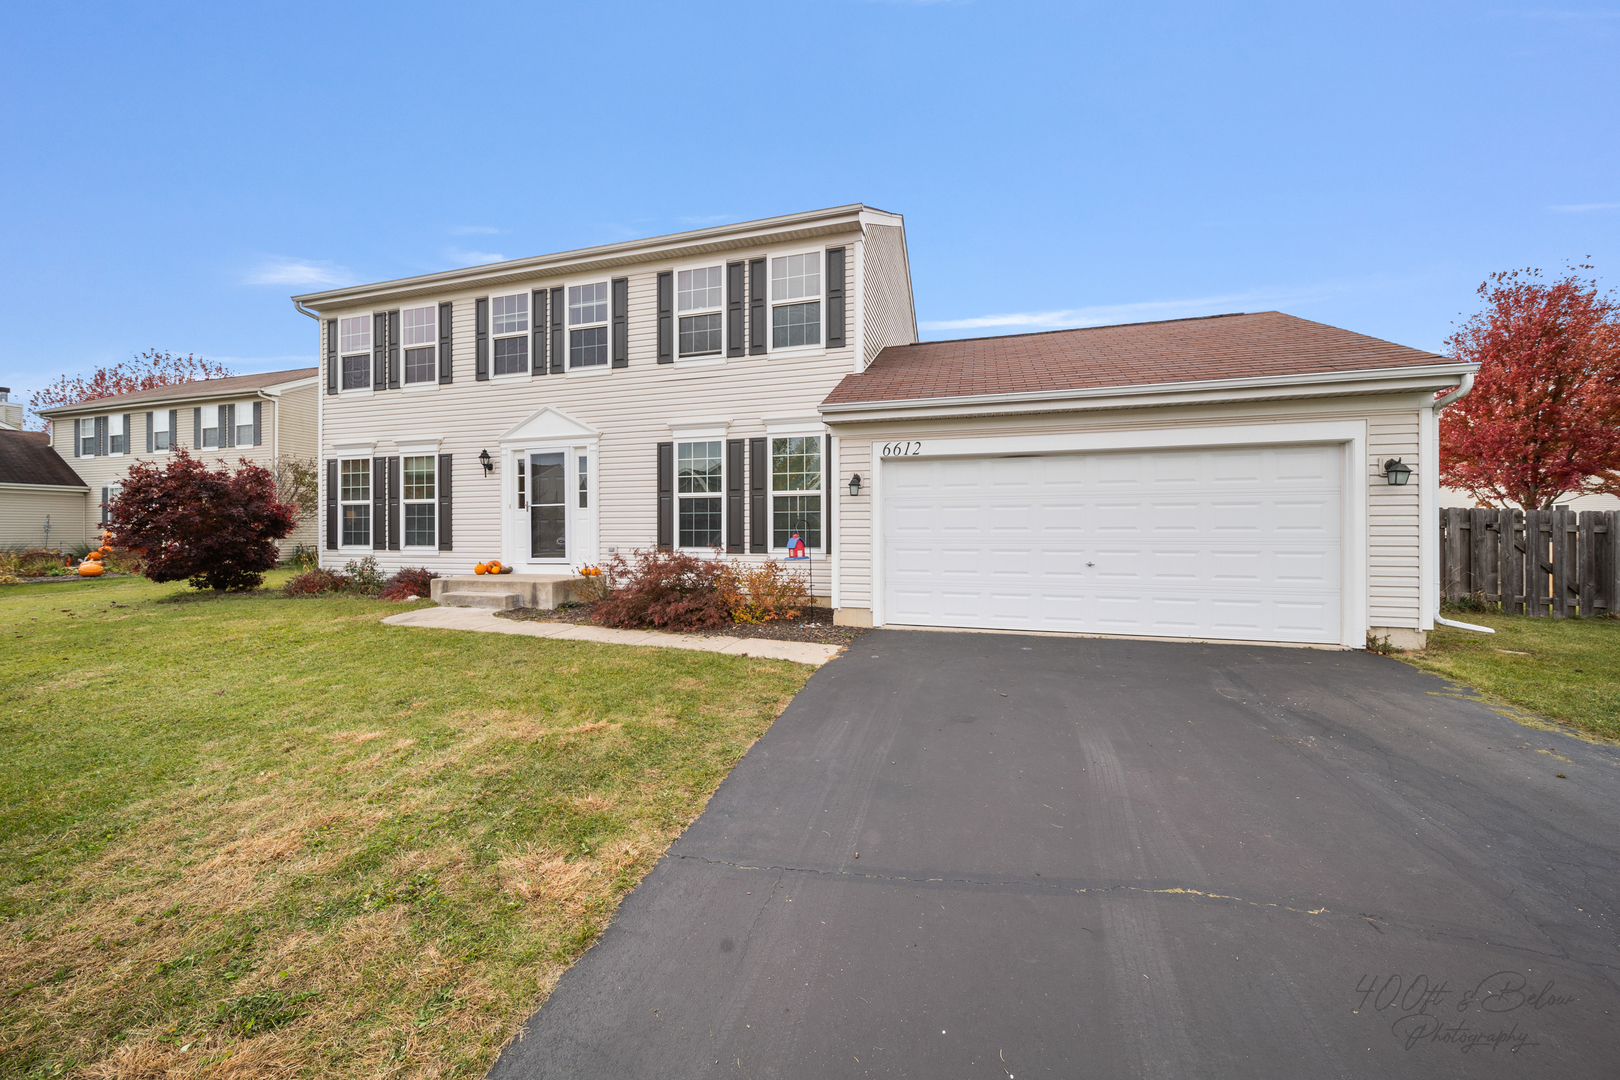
[1535, 579]
[1560, 562]
[1614, 560]
[1587, 562]
[1509, 567]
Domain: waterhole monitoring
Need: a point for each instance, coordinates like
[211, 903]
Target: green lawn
[259, 836]
[1563, 669]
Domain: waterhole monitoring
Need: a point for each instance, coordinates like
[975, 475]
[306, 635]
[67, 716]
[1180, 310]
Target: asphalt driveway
[976, 855]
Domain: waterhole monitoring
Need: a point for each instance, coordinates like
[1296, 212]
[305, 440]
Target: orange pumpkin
[494, 566]
[480, 569]
[90, 569]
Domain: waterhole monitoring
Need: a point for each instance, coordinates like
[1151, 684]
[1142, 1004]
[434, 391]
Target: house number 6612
[902, 449]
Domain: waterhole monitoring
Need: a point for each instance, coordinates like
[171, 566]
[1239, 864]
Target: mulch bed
[69, 577]
[815, 625]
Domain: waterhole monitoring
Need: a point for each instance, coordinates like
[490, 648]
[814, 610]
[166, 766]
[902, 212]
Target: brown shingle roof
[1266, 344]
[26, 457]
[200, 388]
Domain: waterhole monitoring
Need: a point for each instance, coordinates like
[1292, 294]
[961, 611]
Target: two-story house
[259, 417]
[1247, 478]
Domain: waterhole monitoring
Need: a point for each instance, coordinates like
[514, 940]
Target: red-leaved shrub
[670, 590]
[410, 583]
[316, 581]
[215, 528]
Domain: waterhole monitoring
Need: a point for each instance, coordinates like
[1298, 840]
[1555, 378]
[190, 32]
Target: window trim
[432, 501]
[698, 359]
[568, 327]
[371, 526]
[821, 482]
[691, 439]
[433, 344]
[369, 319]
[528, 334]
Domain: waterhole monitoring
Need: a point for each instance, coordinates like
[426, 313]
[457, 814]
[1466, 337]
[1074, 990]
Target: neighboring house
[258, 417]
[724, 388]
[41, 498]
[1452, 497]
[11, 412]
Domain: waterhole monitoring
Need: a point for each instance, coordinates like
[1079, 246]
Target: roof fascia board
[1326, 384]
[83, 490]
[112, 404]
[841, 219]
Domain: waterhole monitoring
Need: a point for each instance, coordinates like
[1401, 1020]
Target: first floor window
[244, 424]
[420, 501]
[584, 481]
[587, 344]
[354, 501]
[700, 493]
[210, 426]
[796, 490]
[117, 441]
[510, 330]
[420, 331]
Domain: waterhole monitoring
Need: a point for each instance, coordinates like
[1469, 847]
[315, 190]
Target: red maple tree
[149, 369]
[1543, 420]
[214, 528]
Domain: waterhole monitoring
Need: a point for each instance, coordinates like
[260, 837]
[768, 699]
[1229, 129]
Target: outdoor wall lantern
[1396, 473]
[855, 484]
[489, 466]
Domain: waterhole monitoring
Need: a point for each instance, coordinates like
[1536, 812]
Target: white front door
[1240, 544]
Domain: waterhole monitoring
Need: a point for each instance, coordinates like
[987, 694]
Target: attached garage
[1206, 479]
[1240, 543]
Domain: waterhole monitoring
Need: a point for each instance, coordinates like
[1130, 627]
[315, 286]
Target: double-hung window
[87, 437]
[509, 328]
[588, 325]
[210, 426]
[699, 297]
[162, 437]
[420, 500]
[244, 424]
[700, 493]
[796, 300]
[354, 343]
[354, 501]
[419, 327]
[117, 438]
[796, 490]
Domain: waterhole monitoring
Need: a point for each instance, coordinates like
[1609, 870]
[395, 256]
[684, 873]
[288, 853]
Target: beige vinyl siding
[295, 437]
[633, 408]
[23, 513]
[1392, 513]
[890, 318]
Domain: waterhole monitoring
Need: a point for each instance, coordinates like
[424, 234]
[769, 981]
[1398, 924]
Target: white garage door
[1240, 543]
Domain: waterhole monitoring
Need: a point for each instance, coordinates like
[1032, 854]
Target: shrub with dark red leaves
[670, 590]
[410, 583]
[215, 528]
[316, 581]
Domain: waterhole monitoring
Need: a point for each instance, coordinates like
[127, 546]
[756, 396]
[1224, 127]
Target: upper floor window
[87, 437]
[354, 499]
[588, 325]
[117, 438]
[699, 298]
[162, 437]
[509, 327]
[210, 426]
[354, 343]
[796, 300]
[419, 476]
[419, 328]
[244, 424]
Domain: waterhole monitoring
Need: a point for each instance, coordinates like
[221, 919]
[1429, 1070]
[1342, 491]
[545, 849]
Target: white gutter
[1458, 394]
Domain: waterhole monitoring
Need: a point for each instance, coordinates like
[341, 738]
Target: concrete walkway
[447, 618]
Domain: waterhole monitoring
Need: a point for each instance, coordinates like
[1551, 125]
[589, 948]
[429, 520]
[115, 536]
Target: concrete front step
[544, 591]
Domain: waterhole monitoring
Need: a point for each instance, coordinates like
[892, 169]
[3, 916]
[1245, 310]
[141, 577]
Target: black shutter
[537, 335]
[174, 428]
[332, 361]
[558, 353]
[227, 425]
[666, 494]
[393, 349]
[835, 298]
[258, 423]
[379, 503]
[827, 494]
[735, 306]
[758, 477]
[481, 350]
[666, 317]
[149, 433]
[129, 435]
[621, 322]
[76, 427]
[447, 311]
[379, 351]
[393, 504]
[734, 495]
[331, 505]
[756, 307]
[444, 503]
[196, 428]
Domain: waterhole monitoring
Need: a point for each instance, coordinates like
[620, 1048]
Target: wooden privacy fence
[1536, 562]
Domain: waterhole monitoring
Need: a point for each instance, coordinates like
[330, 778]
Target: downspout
[1459, 393]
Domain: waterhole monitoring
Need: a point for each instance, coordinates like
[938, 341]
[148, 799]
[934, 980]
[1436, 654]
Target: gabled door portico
[549, 516]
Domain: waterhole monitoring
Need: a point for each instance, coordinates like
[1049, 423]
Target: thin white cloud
[299, 272]
[1581, 208]
[1108, 314]
[473, 230]
[472, 258]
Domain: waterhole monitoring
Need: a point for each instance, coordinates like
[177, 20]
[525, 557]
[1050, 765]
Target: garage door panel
[1240, 544]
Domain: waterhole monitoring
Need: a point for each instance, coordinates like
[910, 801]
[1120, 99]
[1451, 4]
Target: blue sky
[173, 172]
